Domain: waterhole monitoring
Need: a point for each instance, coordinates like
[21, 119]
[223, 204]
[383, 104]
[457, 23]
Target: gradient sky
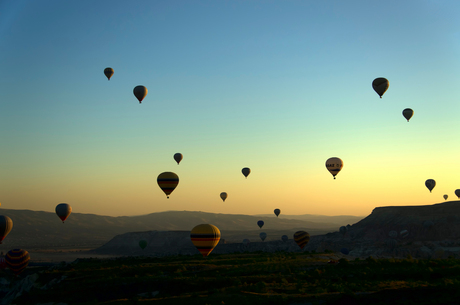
[276, 86]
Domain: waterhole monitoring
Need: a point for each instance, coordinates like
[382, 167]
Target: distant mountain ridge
[39, 229]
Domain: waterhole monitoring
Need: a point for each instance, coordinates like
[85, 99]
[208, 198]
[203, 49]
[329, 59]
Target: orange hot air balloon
[63, 211]
[108, 72]
[178, 157]
[301, 238]
[205, 237]
[6, 224]
[168, 182]
[140, 92]
[17, 260]
[223, 196]
[334, 165]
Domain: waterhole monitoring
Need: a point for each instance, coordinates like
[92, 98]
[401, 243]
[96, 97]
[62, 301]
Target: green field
[247, 278]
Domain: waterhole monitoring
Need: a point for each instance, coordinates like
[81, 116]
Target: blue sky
[277, 86]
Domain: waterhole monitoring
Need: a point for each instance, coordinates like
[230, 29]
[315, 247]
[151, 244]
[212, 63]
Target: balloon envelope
[445, 196]
[393, 234]
[430, 184]
[301, 238]
[6, 224]
[404, 233]
[334, 165]
[223, 196]
[277, 212]
[284, 238]
[380, 85]
[17, 260]
[168, 182]
[343, 230]
[246, 171]
[63, 211]
[263, 235]
[140, 92]
[142, 244]
[108, 72]
[205, 237]
[457, 193]
[260, 223]
[246, 241]
[408, 113]
[178, 157]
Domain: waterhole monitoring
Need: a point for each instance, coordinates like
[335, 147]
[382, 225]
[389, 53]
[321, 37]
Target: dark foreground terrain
[239, 278]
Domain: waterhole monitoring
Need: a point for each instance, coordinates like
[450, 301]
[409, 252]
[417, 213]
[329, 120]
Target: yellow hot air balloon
[380, 85]
[223, 195]
[6, 224]
[246, 171]
[17, 260]
[168, 182]
[408, 113]
[178, 157]
[205, 237]
[108, 72]
[63, 211]
[301, 238]
[334, 165]
[140, 92]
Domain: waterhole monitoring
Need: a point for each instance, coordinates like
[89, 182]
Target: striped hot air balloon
[168, 182]
[205, 237]
[17, 260]
[301, 238]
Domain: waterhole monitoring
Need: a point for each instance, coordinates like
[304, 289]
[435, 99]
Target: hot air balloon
[246, 241]
[6, 224]
[408, 113]
[428, 224]
[205, 237]
[301, 238]
[260, 223]
[457, 193]
[17, 260]
[393, 234]
[344, 251]
[334, 165]
[404, 233]
[263, 235]
[284, 238]
[168, 182]
[445, 196]
[108, 72]
[343, 230]
[277, 212]
[178, 157]
[142, 244]
[63, 211]
[430, 184]
[223, 195]
[380, 85]
[246, 171]
[140, 92]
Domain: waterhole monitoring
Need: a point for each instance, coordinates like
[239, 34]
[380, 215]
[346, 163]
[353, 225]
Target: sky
[276, 86]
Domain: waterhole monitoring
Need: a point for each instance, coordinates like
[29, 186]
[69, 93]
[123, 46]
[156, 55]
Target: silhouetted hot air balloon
[142, 244]
[408, 113]
[260, 223]
[17, 260]
[205, 237]
[263, 235]
[344, 251]
[178, 157]
[343, 230]
[168, 182]
[380, 85]
[140, 92]
[334, 165]
[63, 210]
[223, 196]
[246, 171]
[277, 212]
[284, 238]
[301, 238]
[246, 241]
[445, 196]
[393, 234]
[6, 224]
[108, 72]
[404, 233]
[430, 184]
[457, 193]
